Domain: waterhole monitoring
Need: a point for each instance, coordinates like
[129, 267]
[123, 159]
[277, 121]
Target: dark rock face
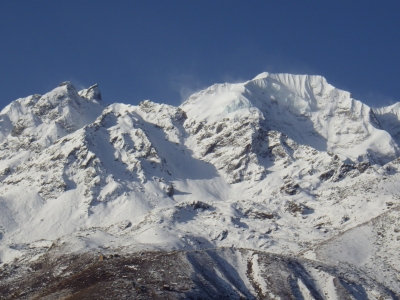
[327, 175]
[169, 190]
[294, 208]
[254, 214]
[207, 274]
[290, 188]
[18, 129]
[345, 170]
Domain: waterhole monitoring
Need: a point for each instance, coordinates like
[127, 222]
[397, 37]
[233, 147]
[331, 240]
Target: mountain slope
[29, 125]
[282, 163]
[306, 108]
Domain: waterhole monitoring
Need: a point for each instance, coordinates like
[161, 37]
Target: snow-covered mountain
[281, 167]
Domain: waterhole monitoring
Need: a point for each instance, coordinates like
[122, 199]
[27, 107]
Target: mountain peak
[282, 164]
[261, 75]
[67, 84]
[91, 93]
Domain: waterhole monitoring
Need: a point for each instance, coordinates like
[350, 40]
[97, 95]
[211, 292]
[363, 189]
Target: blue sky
[164, 50]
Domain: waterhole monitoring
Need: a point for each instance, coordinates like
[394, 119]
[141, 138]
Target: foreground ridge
[222, 273]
